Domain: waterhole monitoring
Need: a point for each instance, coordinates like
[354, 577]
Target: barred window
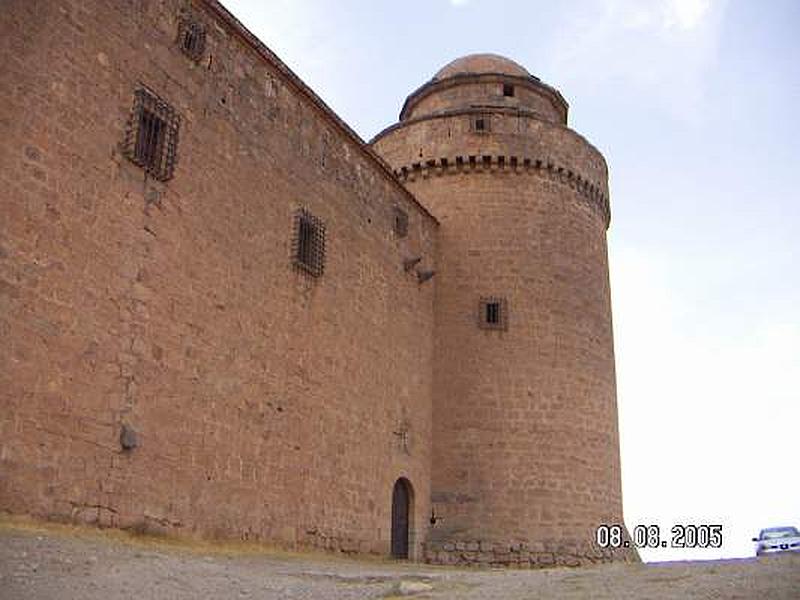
[192, 38]
[308, 244]
[152, 136]
[480, 123]
[493, 313]
[400, 222]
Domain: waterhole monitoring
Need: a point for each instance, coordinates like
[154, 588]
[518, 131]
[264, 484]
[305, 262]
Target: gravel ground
[44, 563]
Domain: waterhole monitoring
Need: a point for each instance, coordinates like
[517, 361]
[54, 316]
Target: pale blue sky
[695, 105]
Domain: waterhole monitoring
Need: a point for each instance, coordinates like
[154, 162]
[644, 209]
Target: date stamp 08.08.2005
[650, 536]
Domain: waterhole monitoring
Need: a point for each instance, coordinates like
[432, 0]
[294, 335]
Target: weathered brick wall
[526, 455]
[266, 403]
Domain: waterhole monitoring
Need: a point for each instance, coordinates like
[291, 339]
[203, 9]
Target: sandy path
[42, 564]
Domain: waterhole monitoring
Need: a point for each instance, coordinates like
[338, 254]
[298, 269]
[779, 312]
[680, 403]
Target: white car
[777, 539]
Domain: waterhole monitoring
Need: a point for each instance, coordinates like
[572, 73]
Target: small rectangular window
[508, 90]
[192, 38]
[493, 313]
[400, 222]
[150, 140]
[152, 136]
[308, 244]
[480, 123]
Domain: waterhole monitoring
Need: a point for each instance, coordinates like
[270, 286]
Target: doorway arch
[401, 517]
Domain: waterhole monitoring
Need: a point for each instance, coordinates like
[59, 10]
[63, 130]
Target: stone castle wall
[266, 404]
[165, 366]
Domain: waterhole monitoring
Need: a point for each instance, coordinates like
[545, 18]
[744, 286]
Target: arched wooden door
[401, 509]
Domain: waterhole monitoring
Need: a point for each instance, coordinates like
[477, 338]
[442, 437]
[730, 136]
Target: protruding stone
[128, 438]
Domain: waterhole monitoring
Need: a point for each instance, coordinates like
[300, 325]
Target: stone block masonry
[263, 400]
[525, 446]
[224, 315]
[520, 555]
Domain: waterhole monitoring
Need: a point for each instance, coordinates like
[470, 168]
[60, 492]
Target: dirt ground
[43, 562]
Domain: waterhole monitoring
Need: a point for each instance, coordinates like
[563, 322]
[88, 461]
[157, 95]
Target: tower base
[524, 555]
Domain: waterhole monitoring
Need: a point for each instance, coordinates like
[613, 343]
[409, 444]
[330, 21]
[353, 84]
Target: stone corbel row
[501, 164]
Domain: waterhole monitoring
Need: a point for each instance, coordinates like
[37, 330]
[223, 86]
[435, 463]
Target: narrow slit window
[308, 248]
[493, 313]
[152, 135]
[400, 222]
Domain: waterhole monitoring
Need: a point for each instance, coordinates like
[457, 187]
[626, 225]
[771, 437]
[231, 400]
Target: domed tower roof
[474, 64]
[489, 81]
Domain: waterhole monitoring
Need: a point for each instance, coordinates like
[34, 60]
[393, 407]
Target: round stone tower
[526, 447]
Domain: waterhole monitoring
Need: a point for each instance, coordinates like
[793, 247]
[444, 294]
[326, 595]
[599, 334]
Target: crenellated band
[589, 192]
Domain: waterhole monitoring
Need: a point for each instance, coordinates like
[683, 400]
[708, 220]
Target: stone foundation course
[521, 555]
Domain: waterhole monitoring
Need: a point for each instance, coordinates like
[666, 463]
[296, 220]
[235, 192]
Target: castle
[226, 315]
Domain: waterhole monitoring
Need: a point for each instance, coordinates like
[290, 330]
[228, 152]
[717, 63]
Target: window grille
[400, 222]
[308, 244]
[493, 313]
[152, 136]
[192, 39]
[480, 123]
